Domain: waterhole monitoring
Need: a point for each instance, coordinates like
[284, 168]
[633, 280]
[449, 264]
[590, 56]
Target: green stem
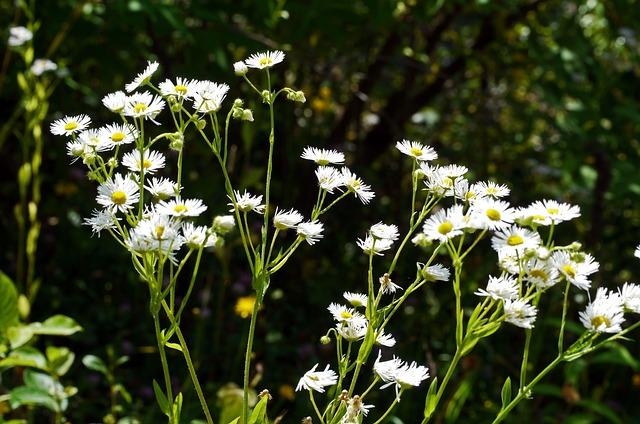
[564, 318]
[445, 381]
[315, 407]
[388, 411]
[163, 357]
[247, 361]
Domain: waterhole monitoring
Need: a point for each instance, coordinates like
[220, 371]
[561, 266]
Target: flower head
[162, 188]
[265, 59]
[182, 88]
[373, 246]
[492, 214]
[247, 202]
[444, 224]
[416, 150]
[329, 178]
[18, 35]
[357, 300]
[101, 220]
[70, 125]
[605, 314]
[283, 219]
[208, 96]
[518, 312]
[630, 296]
[181, 207]
[198, 236]
[143, 77]
[118, 193]
[575, 267]
[500, 288]
[311, 231]
[114, 135]
[435, 272]
[115, 102]
[40, 66]
[357, 186]
[143, 105]
[150, 162]
[515, 240]
[323, 156]
[384, 231]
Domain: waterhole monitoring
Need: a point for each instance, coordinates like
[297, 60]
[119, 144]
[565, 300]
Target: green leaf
[39, 380]
[259, 414]
[60, 359]
[57, 325]
[233, 422]
[95, 363]
[459, 329]
[506, 393]
[163, 402]
[25, 356]
[175, 346]
[177, 408]
[25, 395]
[8, 303]
[19, 335]
[430, 401]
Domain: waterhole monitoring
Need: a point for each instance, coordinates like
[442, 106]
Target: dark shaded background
[541, 95]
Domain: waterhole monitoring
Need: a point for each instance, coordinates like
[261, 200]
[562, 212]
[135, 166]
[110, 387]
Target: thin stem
[247, 360]
[564, 318]
[445, 381]
[163, 357]
[388, 411]
[315, 407]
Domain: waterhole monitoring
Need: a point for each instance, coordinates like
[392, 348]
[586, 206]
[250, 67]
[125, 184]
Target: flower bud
[247, 115]
[238, 103]
[325, 340]
[201, 123]
[421, 240]
[240, 68]
[177, 141]
[112, 162]
[222, 224]
[266, 96]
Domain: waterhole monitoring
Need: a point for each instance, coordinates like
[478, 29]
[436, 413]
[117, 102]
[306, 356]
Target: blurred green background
[543, 96]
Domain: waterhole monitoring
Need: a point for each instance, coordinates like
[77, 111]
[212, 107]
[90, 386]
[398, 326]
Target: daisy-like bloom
[317, 380]
[151, 161]
[240, 68]
[223, 224]
[283, 219]
[409, 376]
[515, 240]
[444, 224]
[492, 214]
[540, 273]
[115, 102]
[421, 240]
[181, 89]
[181, 207]
[18, 35]
[40, 66]
[630, 295]
[509, 261]
[371, 245]
[385, 339]
[605, 314]
[547, 212]
[416, 150]
[353, 330]
[247, 202]
[387, 370]
[387, 286]
[357, 300]
[70, 125]
[143, 105]
[157, 227]
[143, 77]
[519, 313]
[101, 220]
[77, 149]
[355, 185]
[322, 157]
[453, 171]
[118, 193]
[441, 184]
[311, 231]
[500, 288]
[329, 178]
[466, 192]
[93, 139]
[114, 135]
[355, 408]
[343, 313]
[491, 189]
[637, 252]
[198, 236]
[435, 272]
[208, 96]
[162, 188]
[576, 267]
[265, 59]
[384, 231]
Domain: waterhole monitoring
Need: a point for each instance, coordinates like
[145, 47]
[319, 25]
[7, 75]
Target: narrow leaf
[430, 401]
[506, 393]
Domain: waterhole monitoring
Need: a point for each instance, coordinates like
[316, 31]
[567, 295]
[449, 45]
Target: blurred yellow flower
[244, 306]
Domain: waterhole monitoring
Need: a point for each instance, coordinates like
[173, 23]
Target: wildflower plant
[162, 226]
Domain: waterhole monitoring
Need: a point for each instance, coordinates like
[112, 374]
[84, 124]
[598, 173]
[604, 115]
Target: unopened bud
[266, 96]
[238, 103]
[247, 115]
[325, 340]
[240, 68]
[201, 123]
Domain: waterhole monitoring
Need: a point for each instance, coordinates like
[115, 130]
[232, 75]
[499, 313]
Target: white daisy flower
[329, 178]
[515, 240]
[435, 272]
[385, 339]
[101, 220]
[158, 227]
[353, 329]
[466, 192]
[357, 300]
[384, 231]
[94, 139]
[492, 214]
[409, 376]
[181, 207]
[198, 236]
[453, 171]
[150, 162]
[322, 156]
[444, 224]
[416, 150]
[355, 408]
[519, 313]
[247, 202]
[311, 231]
[114, 135]
[605, 314]
[182, 88]
[19, 35]
[441, 184]
[630, 295]
[343, 313]
[208, 96]
[371, 245]
[317, 380]
[637, 252]
[575, 267]
[387, 286]
[554, 211]
[40, 66]
[143, 77]
[240, 68]
[500, 288]
[118, 193]
[491, 189]
[509, 261]
[283, 219]
[115, 102]
[265, 59]
[223, 224]
[355, 185]
[143, 105]
[162, 188]
[387, 370]
[77, 149]
[70, 125]
[421, 240]
[426, 170]
[540, 273]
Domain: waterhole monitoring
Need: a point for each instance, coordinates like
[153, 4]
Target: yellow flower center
[313, 377]
[159, 231]
[537, 217]
[415, 151]
[552, 211]
[539, 273]
[322, 162]
[180, 208]
[445, 228]
[514, 240]
[119, 197]
[493, 214]
[117, 137]
[265, 61]
[599, 320]
[146, 163]
[569, 270]
[70, 126]
[139, 107]
[181, 89]
[346, 314]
